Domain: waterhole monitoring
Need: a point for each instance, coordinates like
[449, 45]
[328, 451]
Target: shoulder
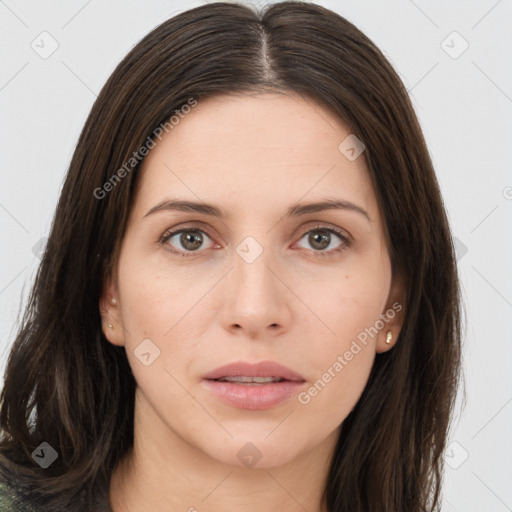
[12, 498]
[6, 498]
[12, 501]
[8, 502]
[19, 493]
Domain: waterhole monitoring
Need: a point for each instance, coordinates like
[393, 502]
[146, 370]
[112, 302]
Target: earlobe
[111, 322]
[393, 317]
[386, 341]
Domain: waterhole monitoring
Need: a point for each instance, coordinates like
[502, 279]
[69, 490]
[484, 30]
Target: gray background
[464, 103]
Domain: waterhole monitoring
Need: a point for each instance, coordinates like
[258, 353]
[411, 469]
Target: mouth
[253, 386]
[255, 373]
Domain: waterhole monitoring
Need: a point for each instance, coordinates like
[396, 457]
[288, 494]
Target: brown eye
[321, 238]
[185, 240]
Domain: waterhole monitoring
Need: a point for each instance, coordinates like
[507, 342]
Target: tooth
[249, 380]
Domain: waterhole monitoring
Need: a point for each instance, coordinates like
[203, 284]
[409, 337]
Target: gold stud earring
[389, 335]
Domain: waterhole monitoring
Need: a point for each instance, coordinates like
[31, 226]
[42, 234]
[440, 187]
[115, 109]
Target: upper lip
[261, 369]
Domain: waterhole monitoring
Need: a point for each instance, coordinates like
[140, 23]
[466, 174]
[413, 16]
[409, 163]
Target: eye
[188, 240]
[320, 238]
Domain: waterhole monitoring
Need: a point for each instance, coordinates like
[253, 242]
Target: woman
[249, 295]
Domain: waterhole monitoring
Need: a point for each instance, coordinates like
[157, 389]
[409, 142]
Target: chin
[254, 452]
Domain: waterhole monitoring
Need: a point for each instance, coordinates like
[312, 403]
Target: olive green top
[10, 502]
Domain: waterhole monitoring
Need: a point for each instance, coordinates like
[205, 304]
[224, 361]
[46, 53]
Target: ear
[110, 311]
[392, 317]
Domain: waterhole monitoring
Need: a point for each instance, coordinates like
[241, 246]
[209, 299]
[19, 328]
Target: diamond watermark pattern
[249, 250]
[44, 455]
[146, 352]
[351, 147]
[39, 247]
[249, 455]
[44, 45]
[455, 455]
[454, 45]
[461, 249]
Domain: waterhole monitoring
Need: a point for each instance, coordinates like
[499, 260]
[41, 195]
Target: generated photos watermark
[343, 360]
[138, 156]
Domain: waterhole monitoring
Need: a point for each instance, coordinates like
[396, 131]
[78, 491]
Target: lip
[257, 396]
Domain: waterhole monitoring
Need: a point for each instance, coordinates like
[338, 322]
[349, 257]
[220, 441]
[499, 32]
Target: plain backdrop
[455, 60]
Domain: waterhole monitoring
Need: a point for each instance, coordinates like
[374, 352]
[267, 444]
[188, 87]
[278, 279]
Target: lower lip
[254, 397]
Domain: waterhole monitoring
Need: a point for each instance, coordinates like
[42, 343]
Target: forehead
[254, 148]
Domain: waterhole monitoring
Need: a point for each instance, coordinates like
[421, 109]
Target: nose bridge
[251, 273]
[256, 298]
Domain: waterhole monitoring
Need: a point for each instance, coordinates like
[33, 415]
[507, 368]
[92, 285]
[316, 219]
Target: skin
[253, 156]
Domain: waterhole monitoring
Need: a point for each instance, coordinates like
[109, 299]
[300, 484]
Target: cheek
[163, 316]
[343, 371]
[342, 357]
[348, 303]
[157, 301]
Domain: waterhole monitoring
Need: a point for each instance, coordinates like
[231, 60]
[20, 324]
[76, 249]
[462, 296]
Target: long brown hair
[66, 385]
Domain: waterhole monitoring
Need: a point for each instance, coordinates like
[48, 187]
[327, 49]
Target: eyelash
[346, 242]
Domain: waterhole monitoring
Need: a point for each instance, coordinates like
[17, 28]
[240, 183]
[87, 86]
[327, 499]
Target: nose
[257, 301]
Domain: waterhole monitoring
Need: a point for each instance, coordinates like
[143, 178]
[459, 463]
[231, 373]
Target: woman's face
[255, 282]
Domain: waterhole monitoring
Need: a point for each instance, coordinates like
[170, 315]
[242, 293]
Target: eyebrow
[293, 211]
